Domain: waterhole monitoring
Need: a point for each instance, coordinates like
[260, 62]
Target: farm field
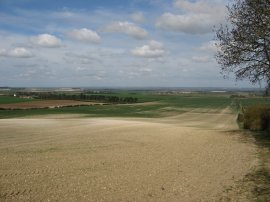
[12, 99]
[149, 105]
[39, 104]
[175, 148]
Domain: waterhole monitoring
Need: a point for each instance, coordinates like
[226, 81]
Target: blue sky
[116, 43]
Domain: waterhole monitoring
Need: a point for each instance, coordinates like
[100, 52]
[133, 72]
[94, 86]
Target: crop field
[150, 105]
[12, 99]
[254, 101]
[40, 104]
[163, 148]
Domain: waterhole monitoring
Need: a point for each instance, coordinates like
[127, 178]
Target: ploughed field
[186, 153]
[46, 104]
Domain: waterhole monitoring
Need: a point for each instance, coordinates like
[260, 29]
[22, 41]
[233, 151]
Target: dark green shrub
[266, 120]
[240, 118]
[257, 118]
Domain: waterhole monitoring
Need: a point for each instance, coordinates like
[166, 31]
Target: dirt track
[191, 157]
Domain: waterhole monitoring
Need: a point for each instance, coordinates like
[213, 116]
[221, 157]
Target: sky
[111, 43]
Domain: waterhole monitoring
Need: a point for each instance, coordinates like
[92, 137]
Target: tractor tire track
[35, 172]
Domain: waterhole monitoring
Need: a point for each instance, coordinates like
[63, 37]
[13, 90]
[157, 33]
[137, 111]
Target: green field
[12, 99]
[164, 105]
[253, 101]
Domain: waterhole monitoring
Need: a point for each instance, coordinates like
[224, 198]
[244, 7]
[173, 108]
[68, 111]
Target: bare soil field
[45, 104]
[194, 156]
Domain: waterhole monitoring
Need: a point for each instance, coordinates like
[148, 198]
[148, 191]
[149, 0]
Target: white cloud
[46, 41]
[182, 23]
[196, 17]
[85, 35]
[201, 59]
[200, 6]
[153, 49]
[128, 28]
[85, 58]
[18, 52]
[138, 17]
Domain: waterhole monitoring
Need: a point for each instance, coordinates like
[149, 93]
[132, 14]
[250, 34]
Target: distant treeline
[80, 96]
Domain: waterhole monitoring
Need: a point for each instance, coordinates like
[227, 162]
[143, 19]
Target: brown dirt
[190, 157]
[45, 104]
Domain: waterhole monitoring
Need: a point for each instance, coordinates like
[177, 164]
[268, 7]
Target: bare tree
[245, 42]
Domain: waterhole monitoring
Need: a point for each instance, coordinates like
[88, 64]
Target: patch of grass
[12, 99]
[258, 181]
[255, 186]
[197, 101]
[255, 101]
[262, 140]
[250, 101]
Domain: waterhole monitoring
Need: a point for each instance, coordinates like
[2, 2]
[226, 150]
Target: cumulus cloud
[18, 52]
[128, 28]
[197, 17]
[153, 49]
[138, 17]
[200, 6]
[46, 41]
[85, 35]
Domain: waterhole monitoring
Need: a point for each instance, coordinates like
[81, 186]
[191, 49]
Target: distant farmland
[41, 104]
[150, 104]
